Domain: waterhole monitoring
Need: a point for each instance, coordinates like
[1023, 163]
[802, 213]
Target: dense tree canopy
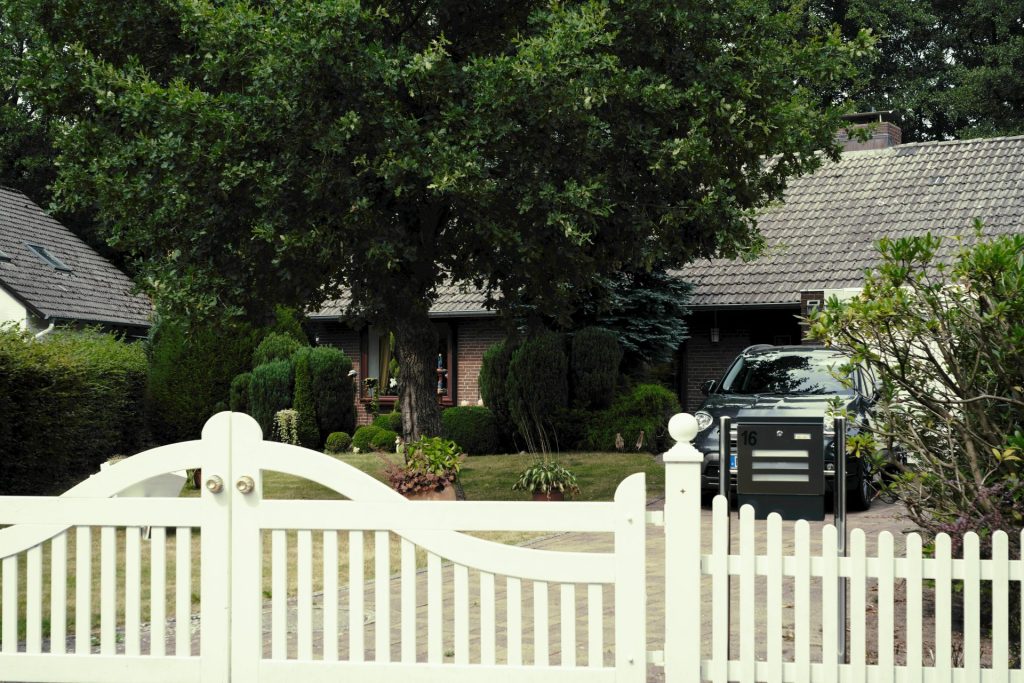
[250, 152]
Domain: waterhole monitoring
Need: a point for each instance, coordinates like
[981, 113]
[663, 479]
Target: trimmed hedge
[475, 429]
[538, 387]
[190, 374]
[275, 346]
[306, 429]
[374, 438]
[646, 407]
[389, 421]
[68, 403]
[337, 442]
[270, 390]
[333, 390]
[595, 368]
[493, 381]
[238, 398]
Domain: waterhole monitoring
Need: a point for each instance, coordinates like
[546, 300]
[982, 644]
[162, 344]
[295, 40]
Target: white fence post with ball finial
[682, 552]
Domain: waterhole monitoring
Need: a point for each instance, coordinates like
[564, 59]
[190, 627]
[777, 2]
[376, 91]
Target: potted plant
[547, 480]
[430, 471]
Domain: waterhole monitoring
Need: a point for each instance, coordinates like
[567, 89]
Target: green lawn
[490, 477]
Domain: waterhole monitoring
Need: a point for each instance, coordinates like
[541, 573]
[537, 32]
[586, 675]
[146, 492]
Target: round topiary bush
[337, 442]
[384, 441]
[275, 346]
[389, 421]
[362, 440]
[474, 428]
[646, 408]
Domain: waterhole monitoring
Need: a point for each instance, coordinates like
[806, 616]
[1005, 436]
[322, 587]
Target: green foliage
[493, 382]
[645, 408]
[333, 390]
[270, 391]
[307, 431]
[337, 442]
[390, 421]
[431, 463]
[374, 438]
[546, 476]
[595, 367]
[238, 399]
[472, 427]
[286, 427]
[275, 346]
[942, 328]
[288, 322]
[645, 310]
[190, 374]
[538, 387]
[68, 402]
[432, 143]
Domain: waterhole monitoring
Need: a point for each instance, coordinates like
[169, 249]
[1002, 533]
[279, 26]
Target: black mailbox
[780, 467]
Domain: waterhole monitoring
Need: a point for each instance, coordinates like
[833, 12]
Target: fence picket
[83, 590]
[304, 589]
[132, 589]
[58, 593]
[514, 620]
[461, 609]
[886, 609]
[1000, 606]
[108, 587]
[595, 625]
[330, 549]
[158, 591]
[748, 598]
[943, 564]
[34, 600]
[356, 608]
[915, 586]
[774, 599]
[487, 639]
[857, 587]
[408, 602]
[972, 601]
[279, 594]
[720, 590]
[568, 618]
[541, 654]
[435, 615]
[183, 591]
[10, 605]
[382, 596]
[830, 604]
[802, 601]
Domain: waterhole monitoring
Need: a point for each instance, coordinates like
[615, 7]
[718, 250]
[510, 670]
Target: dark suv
[786, 381]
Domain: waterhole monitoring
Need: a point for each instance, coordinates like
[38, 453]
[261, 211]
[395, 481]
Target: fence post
[682, 553]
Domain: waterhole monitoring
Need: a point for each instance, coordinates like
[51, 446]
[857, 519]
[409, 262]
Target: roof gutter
[743, 307]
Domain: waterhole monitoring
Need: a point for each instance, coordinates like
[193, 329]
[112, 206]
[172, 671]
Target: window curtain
[384, 354]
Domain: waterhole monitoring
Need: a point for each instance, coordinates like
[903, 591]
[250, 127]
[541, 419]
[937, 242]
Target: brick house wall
[703, 359]
[471, 337]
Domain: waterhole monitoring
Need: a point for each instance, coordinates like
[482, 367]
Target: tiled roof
[453, 300]
[93, 291]
[823, 235]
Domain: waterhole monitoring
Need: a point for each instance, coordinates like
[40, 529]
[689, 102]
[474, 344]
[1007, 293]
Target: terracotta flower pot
[553, 495]
[448, 493]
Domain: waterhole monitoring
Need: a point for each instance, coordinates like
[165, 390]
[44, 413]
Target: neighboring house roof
[453, 301]
[89, 290]
[823, 236]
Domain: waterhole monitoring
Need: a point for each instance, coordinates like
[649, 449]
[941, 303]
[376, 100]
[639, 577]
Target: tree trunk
[416, 347]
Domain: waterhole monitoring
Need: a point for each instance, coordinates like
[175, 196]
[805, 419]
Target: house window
[49, 259]
[382, 369]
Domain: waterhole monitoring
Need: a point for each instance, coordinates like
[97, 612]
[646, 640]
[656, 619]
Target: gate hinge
[657, 518]
[656, 657]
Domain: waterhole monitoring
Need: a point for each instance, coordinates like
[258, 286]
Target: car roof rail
[758, 347]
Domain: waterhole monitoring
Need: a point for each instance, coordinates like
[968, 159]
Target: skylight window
[48, 258]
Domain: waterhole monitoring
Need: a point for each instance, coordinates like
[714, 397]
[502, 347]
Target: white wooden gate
[273, 602]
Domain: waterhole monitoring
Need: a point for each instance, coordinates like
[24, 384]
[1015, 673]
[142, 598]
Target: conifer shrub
[270, 390]
[474, 428]
[374, 438]
[307, 431]
[337, 442]
[238, 399]
[333, 390]
[538, 387]
[595, 368]
[389, 421]
[275, 346]
[493, 382]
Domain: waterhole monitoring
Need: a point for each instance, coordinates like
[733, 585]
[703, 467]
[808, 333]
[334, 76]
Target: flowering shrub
[286, 426]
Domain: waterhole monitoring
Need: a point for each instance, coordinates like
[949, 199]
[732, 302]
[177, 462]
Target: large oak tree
[247, 153]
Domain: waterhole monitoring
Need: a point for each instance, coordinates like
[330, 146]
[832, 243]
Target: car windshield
[785, 373]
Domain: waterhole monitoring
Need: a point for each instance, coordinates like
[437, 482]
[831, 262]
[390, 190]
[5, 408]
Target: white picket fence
[235, 587]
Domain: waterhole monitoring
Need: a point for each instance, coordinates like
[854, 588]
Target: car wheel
[862, 494]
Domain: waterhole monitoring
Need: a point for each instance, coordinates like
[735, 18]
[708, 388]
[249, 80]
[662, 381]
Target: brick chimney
[884, 131]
